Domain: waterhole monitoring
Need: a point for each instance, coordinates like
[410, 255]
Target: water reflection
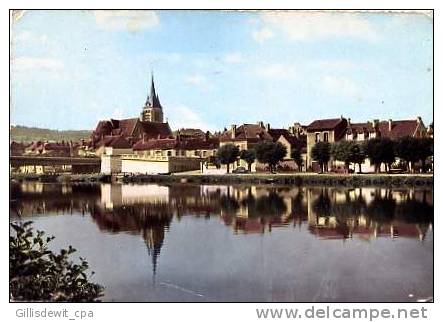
[149, 210]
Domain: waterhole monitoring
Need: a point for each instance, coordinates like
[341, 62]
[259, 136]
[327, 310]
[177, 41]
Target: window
[169, 153]
[325, 137]
[317, 137]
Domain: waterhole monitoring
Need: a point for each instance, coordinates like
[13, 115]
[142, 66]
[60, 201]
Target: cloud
[185, 117]
[276, 71]
[32, 63]
[340, 86]
[30, 38]
[262, 35]
[233, 58]
[132, 20]
[309, 26]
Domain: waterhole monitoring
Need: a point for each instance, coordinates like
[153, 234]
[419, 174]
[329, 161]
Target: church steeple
[152, 100]
[152, 111]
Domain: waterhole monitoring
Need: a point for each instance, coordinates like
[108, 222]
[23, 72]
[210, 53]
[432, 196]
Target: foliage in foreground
[38, 274]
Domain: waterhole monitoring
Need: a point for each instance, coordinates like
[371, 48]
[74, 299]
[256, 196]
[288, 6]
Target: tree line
[380, 151]
[267, 152]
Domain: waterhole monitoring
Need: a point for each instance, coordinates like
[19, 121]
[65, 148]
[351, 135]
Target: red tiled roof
[276, 133]
[153, 130]
[103, 128]
[249, 132]
[360, 128]
[325, 124]
[127, 126]
[56, 147]
[399, 128]
[169, 144]
[155, 144]
[116, 142]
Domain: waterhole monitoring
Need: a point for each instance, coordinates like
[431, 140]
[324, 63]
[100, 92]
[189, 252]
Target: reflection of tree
[351, 208]
[322, 205]
[229, 204]
[415, 212]
[382, 208]
[270, 205]
[29, 199]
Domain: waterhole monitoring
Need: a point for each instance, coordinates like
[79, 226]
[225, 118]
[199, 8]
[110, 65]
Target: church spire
[152, 99]
[153, 110]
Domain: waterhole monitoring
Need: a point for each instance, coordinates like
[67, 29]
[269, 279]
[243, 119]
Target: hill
[29, 134]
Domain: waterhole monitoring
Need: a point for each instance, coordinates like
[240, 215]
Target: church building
[149, 125]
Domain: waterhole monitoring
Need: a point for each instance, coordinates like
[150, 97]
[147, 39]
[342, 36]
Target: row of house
[148, 145]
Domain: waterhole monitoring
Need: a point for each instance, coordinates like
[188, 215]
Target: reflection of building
[341, 214]
[149, 210]
[256, 210]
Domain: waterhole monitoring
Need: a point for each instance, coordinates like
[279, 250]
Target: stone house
[325, 130]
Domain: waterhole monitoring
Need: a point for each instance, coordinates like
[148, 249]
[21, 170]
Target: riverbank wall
[299, 179]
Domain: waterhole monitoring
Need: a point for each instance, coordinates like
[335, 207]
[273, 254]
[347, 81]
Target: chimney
[349, 121]
[419, 121]
[233, 131]
[268, 127]
[390, 125]
[207, 134]
[375, 123]
[261, 124]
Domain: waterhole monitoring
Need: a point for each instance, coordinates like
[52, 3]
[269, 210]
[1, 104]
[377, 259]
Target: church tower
[152, 111]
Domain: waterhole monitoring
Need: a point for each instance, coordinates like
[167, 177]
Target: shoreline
[298, 179]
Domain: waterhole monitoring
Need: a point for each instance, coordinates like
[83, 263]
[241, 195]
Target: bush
[38, 274]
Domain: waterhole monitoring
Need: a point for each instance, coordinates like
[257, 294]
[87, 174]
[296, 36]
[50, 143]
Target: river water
[240, 243]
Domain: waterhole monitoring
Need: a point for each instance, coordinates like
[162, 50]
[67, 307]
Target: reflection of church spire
[154, 237]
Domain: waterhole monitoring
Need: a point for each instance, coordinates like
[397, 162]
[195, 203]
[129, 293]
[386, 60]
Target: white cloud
[186, 117]
[132, 20]
[307, 26]
[276, 71]
[29, 37]
[262, 35]
[233, 58]
[32, 63]
[341, 86]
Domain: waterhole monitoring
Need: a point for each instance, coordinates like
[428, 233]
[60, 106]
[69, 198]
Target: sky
[212, 69]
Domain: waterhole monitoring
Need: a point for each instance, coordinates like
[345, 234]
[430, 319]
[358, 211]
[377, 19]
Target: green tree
[413, 150]
[341, 151]
[38, 274]
[321, 152]
[381, 150]
[248, 156]
[227, 154]
[425, 150]
[270, 153]
[297, 157]
[407, 149]
[357, 154]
